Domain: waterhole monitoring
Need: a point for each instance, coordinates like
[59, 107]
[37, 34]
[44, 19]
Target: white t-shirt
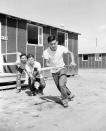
[30, 69]
[55, 58]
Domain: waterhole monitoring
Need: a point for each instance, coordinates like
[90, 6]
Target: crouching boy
[21, 65]
[33, 69]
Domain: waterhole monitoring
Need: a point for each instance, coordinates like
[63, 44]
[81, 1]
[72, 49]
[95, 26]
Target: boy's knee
[62, 85]
[63, 80]
[63, 71]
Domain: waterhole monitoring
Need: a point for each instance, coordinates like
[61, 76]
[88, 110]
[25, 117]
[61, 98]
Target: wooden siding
[91, 63]
[3, 33]
[22, 36]
[80, 61]
[11, 33]
[31, 50]
[53, 31]
[39, 51]
[3, 46]
[103, 60]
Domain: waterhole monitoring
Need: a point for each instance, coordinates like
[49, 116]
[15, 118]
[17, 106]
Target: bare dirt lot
[87, 111]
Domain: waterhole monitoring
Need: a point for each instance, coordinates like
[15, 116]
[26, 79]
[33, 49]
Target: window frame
[40, 35]
[65, 36]
[99, 58]
[83, 57]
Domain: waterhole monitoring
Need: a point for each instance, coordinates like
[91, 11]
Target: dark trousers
[33, 89]
[20, 73]
[60, 79]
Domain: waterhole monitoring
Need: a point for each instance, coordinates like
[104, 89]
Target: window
[84, 57]
[35, 35]
[63, 38]
[98, 57]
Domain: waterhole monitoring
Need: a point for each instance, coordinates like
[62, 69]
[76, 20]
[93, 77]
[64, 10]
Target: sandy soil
[87, 112]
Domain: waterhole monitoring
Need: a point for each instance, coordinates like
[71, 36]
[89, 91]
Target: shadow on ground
[54, 99]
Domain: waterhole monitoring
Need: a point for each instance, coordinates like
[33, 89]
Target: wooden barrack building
[28, 36]
[95, 59]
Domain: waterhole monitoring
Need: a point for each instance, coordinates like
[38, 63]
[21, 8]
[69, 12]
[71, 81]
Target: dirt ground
[87, 111]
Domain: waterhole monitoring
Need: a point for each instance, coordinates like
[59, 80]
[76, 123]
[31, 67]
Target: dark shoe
[40, 92]
[34, 93]
[65, 103]
[70, 97]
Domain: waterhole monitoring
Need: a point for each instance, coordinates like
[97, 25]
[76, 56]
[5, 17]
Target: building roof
[92, 51]
[34, 19]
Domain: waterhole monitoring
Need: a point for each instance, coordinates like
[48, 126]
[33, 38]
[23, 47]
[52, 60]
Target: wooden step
[8, 80]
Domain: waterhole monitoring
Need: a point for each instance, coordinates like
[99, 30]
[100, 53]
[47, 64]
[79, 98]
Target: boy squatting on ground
[21, 67]
[31, 68]
[53, 56]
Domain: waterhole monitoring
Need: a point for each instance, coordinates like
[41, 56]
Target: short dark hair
[30, 55]
[23, 54]
[52, 38]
